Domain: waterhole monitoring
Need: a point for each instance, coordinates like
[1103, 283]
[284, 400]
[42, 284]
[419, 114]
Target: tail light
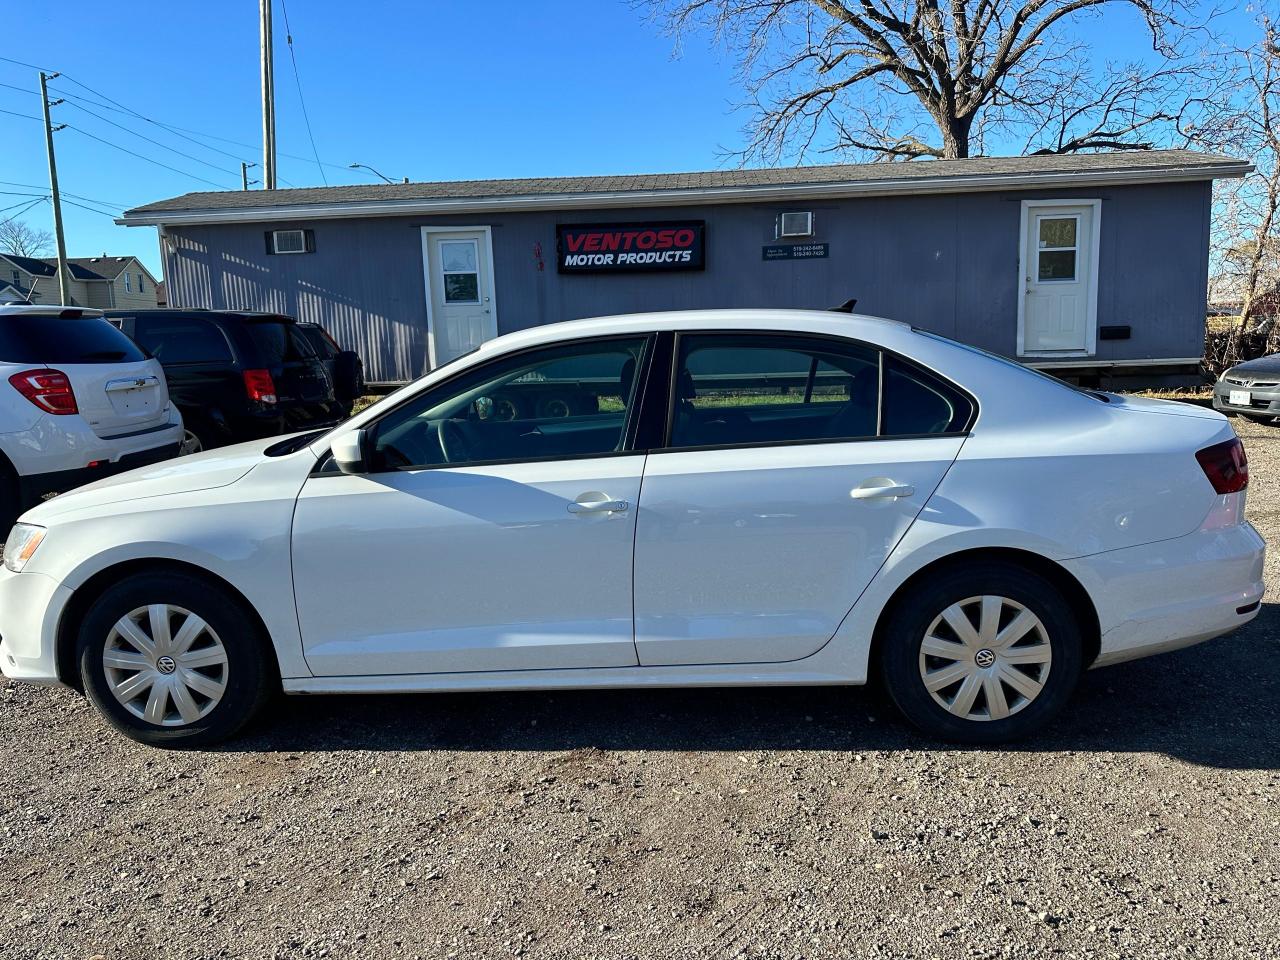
[1226, 465]
[259, 386]
[49, 390]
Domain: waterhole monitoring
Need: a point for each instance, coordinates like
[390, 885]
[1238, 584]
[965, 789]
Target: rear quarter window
[63, 340]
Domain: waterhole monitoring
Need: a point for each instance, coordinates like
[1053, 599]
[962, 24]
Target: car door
[486, 537]
[792, 468]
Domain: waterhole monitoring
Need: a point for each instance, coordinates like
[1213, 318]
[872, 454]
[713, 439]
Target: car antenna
[846, 307]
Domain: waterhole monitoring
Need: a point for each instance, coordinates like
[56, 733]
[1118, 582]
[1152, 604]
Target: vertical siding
[944, 263]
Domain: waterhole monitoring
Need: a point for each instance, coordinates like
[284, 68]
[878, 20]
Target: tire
[220, 697]
[11, 506]
[1050, 655]
[196, 438]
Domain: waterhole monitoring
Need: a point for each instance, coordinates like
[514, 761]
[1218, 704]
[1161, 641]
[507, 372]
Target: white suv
[78, 401]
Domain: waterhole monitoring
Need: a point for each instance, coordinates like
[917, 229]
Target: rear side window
[58, 340]
[319, 342]
[179, 340]
[279, 342]
[743, 389]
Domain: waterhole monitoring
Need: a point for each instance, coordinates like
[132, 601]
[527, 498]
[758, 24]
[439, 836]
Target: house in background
[103, 282]
[1092, 266]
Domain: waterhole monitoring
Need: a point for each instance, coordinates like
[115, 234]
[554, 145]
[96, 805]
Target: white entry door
[1059, 309]
[459, 275]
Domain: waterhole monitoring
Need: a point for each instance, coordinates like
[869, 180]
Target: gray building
[1092, 265]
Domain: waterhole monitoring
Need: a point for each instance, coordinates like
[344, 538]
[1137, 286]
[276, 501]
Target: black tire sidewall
[250, 670]
[904, 632]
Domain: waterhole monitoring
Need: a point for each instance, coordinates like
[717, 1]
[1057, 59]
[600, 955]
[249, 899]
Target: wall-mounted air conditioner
[795, 225]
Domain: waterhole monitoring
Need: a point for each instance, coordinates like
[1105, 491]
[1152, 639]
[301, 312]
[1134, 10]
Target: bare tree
[902, 79]
[24, 240]
[1246, 229]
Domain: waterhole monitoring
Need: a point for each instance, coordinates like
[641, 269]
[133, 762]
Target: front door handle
[881, 488]
[597, 505]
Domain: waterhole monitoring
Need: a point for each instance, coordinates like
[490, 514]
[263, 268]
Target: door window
[571, 400]
[736, 390]
[460, 269]
[760, 390]
[1057, 248]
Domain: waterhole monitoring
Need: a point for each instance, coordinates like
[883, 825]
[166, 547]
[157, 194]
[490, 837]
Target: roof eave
[698, 195]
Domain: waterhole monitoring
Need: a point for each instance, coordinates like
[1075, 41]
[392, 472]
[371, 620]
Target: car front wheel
[172, 660]
[984, 654]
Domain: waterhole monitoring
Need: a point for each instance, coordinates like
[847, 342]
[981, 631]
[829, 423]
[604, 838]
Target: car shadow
[1216, 704]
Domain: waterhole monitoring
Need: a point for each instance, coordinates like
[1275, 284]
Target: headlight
[24, 539]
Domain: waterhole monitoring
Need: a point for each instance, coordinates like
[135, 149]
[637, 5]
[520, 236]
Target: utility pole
[244, 174]
[268, 101]
[64, 285]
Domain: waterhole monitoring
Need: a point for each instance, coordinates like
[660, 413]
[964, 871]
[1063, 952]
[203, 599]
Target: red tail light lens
[47, 389]
[1226, 466]
[259, 386]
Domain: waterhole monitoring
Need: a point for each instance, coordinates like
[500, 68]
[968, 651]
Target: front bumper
[1263, 401]
[30, 607]
[1171, 594]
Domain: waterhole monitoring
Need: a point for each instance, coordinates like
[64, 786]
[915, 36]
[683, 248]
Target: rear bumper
[36, 485]
[1174, 593]
[30, 606]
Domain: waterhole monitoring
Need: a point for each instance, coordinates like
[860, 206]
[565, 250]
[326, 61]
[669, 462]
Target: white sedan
[685, 499]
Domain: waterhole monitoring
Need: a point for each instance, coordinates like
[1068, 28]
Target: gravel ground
[769, 823]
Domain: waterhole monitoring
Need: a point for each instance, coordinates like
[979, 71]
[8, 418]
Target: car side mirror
[348, 453]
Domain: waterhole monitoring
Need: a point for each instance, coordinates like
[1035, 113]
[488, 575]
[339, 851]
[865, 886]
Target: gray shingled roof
[106, 268]
[936, 172]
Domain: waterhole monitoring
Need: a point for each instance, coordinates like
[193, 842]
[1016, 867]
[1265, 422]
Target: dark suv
[345, 367]
[235, 375]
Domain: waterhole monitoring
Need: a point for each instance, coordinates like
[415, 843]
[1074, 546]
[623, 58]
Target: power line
[163, 146]
[104, 213]
[288, 35]
[36, 186]
[132, 153]
[24, 116]
[25, 207]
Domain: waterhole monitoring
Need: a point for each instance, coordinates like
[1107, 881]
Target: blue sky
[418, 89]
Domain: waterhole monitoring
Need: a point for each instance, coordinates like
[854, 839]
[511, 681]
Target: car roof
[202, 312]
[837, 323]
[46, 310]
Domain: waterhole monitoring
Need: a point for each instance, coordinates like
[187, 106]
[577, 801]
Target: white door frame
[426, 278]
[1024, 264]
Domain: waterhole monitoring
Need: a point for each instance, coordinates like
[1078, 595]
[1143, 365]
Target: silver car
[1250, 389]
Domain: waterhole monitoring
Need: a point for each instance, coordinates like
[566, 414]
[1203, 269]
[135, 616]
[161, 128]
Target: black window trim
[881, 351]
[630, 428]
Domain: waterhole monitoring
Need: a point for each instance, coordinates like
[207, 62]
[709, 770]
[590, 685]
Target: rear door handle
[881, 488]
[599, 506]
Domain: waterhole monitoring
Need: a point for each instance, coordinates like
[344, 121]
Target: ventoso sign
[631, 247]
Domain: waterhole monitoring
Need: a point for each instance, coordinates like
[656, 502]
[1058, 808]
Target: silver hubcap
[190, 443]
[165, 665]
[985, 658]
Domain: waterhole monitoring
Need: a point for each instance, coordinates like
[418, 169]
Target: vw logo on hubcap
[166, 665]
[984, 658]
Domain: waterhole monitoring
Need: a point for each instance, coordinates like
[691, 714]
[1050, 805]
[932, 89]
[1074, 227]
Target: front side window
[572, 400]
[752, 390]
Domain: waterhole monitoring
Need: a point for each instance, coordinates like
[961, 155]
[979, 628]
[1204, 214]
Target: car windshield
[41, 338]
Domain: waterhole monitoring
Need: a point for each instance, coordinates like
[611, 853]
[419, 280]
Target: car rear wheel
[171, 660]
[981, 655]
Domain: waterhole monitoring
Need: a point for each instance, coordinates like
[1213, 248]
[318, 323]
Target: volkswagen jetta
[720, 498]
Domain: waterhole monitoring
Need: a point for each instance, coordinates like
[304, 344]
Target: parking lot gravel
[757, 823]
